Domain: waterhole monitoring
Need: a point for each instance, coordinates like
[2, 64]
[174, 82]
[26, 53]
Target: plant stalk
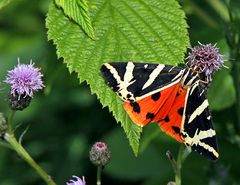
[10, 138]
[180, 160]
[236, 80]
[23, 153]
[233, 39]
[99, 171]
[10, 120]
[177, 165]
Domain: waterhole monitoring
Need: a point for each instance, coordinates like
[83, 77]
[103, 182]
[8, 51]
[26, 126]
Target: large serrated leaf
[78, 11]
[153, 31]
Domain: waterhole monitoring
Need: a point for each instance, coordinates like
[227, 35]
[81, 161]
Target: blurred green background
[64, 119]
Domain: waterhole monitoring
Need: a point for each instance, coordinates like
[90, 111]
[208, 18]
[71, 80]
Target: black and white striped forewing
[198, 128]
[134, 81]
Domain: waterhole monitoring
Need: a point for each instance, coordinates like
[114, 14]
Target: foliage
[125, 31]
[78, 11]
[4, 3]
[66, 119]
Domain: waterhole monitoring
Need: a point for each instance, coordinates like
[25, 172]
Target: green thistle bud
[3, 125]
[99, 154]
[18, 102]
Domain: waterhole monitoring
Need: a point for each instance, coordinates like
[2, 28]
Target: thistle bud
[18, 102]
[99, 154]
[3, 125]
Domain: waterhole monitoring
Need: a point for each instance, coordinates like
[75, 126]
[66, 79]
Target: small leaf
[137, 30]
[21, 136]
[78, 11]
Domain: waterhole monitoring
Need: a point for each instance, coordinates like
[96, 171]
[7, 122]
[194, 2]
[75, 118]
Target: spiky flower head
[206, 59]
[99, 154]
[25, 79]
[76, 181]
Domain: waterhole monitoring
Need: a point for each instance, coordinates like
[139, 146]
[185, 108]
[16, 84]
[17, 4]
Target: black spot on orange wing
[180, 111]
[150, 116]
[156, 96]
[136, 107]
[176, 129]
[166, 119]
[172, 121]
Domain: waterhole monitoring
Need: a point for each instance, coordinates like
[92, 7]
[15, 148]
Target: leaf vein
[150, 28]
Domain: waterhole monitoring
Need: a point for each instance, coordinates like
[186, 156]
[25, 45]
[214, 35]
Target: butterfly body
[174, 97]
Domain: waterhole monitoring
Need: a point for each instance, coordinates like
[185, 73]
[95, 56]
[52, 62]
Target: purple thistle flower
[24, 79]
[205, 59]
[77, 181]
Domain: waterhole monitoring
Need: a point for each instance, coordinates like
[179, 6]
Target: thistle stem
[10, 120]
[10, 138]
[177, 165]
[99, 171]
[236, 79]
[235, 53]
[233, 40]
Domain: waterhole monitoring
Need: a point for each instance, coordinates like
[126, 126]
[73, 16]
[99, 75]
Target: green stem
[177, 165]
[233, 40]
[235, 54]
[236, 80]
[10, 138]
[99, 171]
[23, 153]
[10, 120]
[180, 160]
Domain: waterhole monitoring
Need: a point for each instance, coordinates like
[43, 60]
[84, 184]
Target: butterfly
[174, 97]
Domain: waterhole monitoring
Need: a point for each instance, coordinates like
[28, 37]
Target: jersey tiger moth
[174, 97]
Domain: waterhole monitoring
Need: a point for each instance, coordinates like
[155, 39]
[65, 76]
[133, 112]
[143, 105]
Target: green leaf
[4, 3]
[78, 11]
[22, 134]
[152, 31]
[221, 94]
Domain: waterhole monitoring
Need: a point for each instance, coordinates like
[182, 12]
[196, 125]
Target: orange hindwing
[161, 107]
